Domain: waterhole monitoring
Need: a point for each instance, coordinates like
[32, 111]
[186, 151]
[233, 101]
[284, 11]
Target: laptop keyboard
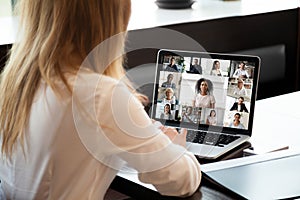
[210, 138]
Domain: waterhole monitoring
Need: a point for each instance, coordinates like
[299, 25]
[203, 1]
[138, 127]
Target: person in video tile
[236, 122]
[172, 66]
[240, 89]
[216, 71]
[204, 97]
[239, 106]
[169, 97]
[168, 83]
[195, 67]
[187, 116]
[212, 118]
[241, 72]
[167, 112]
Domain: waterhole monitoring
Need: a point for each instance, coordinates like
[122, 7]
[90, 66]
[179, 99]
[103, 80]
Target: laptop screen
[205, 90]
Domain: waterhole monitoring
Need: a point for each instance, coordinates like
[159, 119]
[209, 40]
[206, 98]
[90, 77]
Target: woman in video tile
[204, 97]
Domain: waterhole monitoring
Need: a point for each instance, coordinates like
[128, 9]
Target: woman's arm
[207, 121]
[194, 103]
[144, 146]
[212, 101]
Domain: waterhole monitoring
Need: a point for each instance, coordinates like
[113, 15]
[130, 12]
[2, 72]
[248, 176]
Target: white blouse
[204, 101]
[240, 92]
[75, 145]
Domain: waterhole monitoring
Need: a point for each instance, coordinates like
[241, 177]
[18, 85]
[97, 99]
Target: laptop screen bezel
[222, 56]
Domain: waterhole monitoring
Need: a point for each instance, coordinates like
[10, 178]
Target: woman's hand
[175, 137]
[172, 133]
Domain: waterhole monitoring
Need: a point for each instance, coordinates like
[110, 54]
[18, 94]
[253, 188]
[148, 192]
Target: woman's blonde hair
[169, 90]
[56, 37]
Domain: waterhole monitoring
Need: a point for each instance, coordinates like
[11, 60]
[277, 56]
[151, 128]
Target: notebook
[211, 95]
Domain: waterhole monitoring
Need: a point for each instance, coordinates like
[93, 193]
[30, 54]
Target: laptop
[211, 95]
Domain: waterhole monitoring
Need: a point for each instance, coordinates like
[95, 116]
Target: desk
[276, 121]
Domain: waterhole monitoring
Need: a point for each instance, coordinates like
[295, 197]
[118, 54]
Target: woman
[55, 143]
[212, 118]
[240, 90]
[204, 97]
[236, 122]
[167, 112]
[241, 72]
[187, 116]
[169, 97]
[216, 69]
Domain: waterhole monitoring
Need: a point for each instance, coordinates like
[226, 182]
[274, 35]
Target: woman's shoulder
[87, 81]
[89, 78]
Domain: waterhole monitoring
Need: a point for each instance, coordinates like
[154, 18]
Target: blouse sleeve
[131, 136]
[212, 99]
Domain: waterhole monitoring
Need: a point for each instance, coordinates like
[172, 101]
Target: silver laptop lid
[205, 91]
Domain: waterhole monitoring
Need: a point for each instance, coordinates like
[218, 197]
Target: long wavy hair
[55, 37]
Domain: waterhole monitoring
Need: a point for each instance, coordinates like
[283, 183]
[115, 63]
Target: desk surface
[145, 13]
[276, 123]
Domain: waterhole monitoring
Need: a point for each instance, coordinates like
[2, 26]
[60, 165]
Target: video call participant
[168, 83]
[240, 90]
[239, 106]
[172, 65]
[195, 67]
[212, 118]
[241, 72]
[167, 112]
[216, 70]
[187, 116]
[169, 97]
[236, 122]
[204, 97]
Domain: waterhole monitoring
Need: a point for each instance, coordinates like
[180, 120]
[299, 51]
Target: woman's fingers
[181, 138]
[176, 138]
[172, 133]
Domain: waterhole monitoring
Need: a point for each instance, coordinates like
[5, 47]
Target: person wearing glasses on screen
[240, 89]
